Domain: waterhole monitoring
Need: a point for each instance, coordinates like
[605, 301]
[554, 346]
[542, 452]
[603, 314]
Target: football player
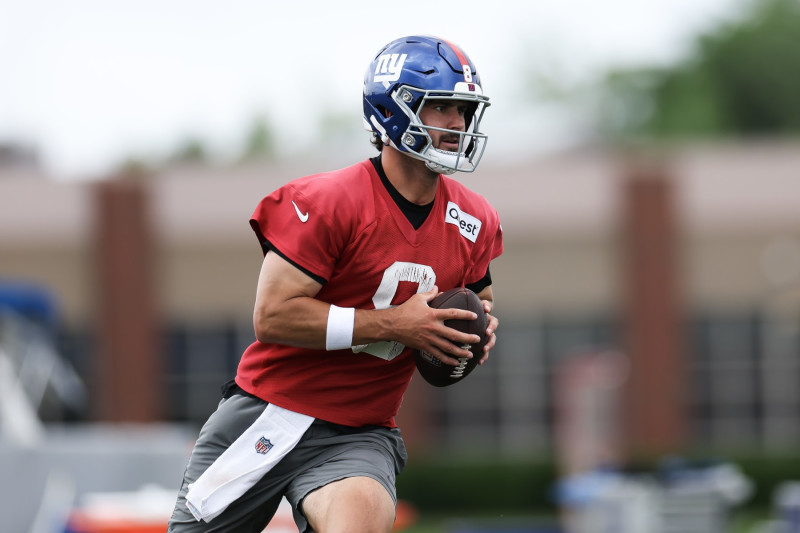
[351, 259]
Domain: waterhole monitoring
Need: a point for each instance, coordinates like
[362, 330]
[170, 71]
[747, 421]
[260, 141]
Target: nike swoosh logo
[302, 216]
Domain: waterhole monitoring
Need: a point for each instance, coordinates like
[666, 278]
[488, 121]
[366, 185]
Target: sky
[90, 83]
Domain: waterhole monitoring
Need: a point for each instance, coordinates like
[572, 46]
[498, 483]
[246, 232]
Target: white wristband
[339, 333]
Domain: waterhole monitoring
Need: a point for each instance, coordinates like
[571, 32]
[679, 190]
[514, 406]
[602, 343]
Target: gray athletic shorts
[326, 453]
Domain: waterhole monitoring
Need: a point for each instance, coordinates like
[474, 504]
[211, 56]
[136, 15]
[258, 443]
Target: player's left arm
[487, 297]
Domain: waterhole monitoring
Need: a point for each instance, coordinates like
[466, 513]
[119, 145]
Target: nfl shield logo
[263, 445]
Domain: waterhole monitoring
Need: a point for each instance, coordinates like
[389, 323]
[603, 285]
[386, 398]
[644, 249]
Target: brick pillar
[127, 368]
[654, 406]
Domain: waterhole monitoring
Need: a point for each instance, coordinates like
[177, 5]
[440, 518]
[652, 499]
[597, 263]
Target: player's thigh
[348, 470]
[357, 504]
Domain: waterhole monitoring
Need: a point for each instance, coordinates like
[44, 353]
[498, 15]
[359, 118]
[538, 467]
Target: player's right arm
[288, 312]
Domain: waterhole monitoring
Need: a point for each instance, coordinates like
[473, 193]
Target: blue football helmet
[402, 77]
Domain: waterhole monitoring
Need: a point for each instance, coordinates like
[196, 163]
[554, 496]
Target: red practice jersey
[344, 227]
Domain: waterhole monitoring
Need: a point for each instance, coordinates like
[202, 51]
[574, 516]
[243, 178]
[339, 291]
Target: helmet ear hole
[383, 111]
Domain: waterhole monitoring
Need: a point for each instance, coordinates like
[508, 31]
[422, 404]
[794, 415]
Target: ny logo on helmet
[388, 68]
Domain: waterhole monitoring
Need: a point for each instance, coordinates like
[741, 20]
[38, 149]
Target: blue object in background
[34, 302]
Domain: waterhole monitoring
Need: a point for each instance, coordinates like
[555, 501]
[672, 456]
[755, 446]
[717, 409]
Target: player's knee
[353, 505]
[377, 513]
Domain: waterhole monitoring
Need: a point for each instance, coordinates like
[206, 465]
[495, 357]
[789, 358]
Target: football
[440, 374]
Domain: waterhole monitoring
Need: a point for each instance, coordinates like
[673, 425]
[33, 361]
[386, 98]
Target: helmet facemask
[418, 143]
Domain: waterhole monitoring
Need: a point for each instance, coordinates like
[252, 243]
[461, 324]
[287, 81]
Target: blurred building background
[561, 287]
[653, 261]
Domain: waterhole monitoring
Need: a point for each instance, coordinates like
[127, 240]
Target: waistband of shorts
[231, 388]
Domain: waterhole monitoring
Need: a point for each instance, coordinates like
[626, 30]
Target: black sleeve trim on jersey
[267, 246]
[482, 283]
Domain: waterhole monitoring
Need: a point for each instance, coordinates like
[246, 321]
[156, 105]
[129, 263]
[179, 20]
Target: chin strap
[378, 128]
[439, 168]
[445, 162]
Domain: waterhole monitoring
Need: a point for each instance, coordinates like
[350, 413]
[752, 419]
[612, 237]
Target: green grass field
[432, 523]
[743, 521]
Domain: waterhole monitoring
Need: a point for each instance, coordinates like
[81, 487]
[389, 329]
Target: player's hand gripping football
[488, 305]
[421, 327]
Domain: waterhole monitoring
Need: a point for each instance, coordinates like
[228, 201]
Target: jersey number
[422, 275]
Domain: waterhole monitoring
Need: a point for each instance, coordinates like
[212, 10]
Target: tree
[191, 150]
[259, 143]
[742, 78]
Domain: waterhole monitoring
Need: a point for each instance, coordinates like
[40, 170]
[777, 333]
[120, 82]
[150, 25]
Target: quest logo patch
[468, 225]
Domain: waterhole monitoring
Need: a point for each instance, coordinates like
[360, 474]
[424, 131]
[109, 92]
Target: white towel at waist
[274, 434]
